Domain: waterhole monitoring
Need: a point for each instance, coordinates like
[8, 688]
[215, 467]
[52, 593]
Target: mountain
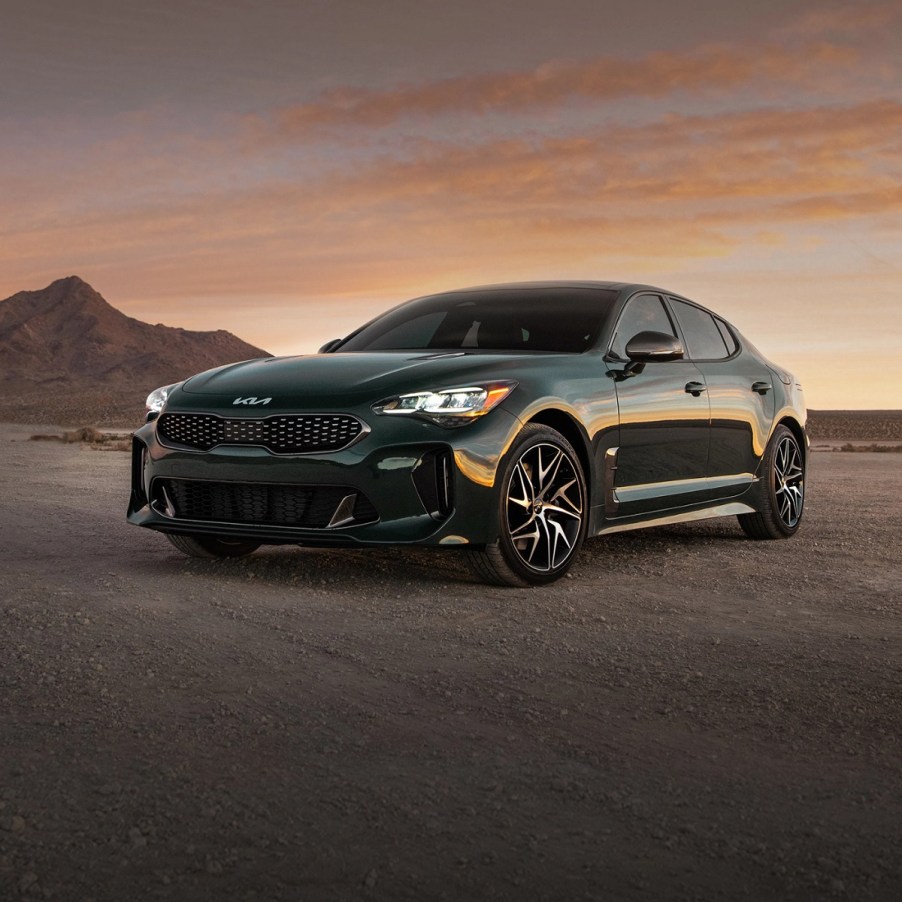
[66, 342]
[68, 333]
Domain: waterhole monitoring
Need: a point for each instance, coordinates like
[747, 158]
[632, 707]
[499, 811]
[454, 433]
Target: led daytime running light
[455, 403]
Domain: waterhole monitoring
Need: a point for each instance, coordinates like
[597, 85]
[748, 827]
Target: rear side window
[703, 336]
[645, 313]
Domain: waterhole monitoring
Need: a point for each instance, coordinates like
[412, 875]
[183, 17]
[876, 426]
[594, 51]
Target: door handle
[695, 388]
[762, 388]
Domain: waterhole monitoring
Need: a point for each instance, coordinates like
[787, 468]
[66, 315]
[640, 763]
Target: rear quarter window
[727, 335]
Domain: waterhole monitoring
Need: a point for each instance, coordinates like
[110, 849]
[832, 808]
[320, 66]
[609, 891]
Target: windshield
[527, 319]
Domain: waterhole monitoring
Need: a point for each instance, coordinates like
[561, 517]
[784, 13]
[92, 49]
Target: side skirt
[734, 484]
[721, 510]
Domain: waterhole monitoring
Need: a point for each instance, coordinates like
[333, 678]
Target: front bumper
[392, 468]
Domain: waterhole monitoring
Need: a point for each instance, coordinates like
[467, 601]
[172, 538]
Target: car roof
[562, 283]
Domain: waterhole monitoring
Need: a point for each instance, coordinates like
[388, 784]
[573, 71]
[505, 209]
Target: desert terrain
[689, 716]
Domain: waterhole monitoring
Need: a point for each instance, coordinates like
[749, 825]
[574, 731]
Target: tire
[542, 515]
[211, 546]
[782, 498]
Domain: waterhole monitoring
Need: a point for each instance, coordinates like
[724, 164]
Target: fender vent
[433, 478]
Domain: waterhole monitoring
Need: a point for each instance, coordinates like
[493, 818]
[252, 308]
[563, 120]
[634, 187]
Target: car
[508, 422]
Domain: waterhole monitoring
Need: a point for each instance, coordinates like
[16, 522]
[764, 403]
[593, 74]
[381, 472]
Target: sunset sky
[285, 169]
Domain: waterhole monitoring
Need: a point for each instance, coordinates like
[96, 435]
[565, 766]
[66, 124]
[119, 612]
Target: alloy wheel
[789, 481]
[544, 507]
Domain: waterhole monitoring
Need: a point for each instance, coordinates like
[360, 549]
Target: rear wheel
[542, 515]
[212, 546]
[783, 494]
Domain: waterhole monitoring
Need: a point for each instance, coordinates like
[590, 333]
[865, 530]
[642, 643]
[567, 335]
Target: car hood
[322, 380]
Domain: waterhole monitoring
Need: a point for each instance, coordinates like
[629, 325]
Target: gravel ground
[691, 716]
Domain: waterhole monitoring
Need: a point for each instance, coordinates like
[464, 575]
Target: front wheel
[783, 492]
[542, 514]
[212, 546]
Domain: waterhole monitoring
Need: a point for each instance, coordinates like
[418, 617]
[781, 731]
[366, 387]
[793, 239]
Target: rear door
[740, 393]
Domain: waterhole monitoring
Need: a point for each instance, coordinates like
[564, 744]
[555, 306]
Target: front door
[664, 420]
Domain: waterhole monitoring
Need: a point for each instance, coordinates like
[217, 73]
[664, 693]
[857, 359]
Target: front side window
[703, 338]
[645, 313]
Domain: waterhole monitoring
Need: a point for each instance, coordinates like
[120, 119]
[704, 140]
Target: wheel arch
[568, 427]
[796, 428]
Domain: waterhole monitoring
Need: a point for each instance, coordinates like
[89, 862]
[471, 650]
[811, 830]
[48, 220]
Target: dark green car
[509, 422]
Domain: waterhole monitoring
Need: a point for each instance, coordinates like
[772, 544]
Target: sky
[286, 169]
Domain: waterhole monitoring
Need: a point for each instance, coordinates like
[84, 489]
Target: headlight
[157, 398]
[448, 406]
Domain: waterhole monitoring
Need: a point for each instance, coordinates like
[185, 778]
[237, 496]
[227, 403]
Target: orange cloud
[840, 206]
[712, 70]
[768, 156]
[850, 18]
[671, 190]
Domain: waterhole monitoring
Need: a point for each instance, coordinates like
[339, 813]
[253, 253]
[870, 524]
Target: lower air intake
[306, 506]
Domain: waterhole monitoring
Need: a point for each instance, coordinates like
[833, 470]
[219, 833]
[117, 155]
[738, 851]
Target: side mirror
[330, 346]
[648, 347]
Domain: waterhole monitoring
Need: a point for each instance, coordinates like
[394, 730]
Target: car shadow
[376, 568]
[290, 565]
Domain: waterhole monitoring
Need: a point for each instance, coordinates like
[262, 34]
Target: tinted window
[703, 338]
[416, 332]
[645, 313]
[727, 335]
[553, 319]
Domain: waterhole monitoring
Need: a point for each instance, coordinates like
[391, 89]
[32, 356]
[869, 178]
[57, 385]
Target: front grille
[303, 433]
[308, 506]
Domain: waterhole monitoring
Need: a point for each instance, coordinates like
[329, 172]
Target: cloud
[845, 19]
[709, 70]
[840, 206]
[636, 195]
[745, 162]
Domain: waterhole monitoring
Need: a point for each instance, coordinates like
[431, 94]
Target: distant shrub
[88, 435]
[872, 448]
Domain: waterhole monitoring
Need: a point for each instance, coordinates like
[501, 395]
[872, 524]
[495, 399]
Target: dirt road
[691, 716]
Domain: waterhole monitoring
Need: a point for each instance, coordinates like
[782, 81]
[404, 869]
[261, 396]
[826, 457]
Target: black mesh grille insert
[309, 506]
[290, 434]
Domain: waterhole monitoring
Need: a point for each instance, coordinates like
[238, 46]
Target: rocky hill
[67, 356]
